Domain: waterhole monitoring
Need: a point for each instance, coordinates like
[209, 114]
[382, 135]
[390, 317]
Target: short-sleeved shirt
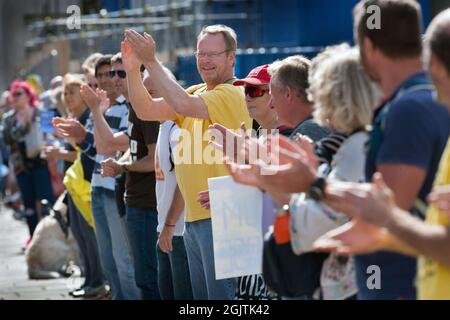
[433, 276]
[194, 159]
[415, 133]
[165, 189]
[140, 186]
[117, 118]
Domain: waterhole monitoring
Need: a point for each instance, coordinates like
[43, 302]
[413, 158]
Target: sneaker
[74, 290]
[96, 291]
[89, 292]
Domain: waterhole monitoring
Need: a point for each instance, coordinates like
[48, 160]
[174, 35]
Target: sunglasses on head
[255, 92]
[120, 73]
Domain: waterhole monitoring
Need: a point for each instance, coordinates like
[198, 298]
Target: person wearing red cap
[257, 97]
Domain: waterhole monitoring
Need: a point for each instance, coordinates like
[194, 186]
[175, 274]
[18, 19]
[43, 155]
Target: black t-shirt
[86, 162]
[140, 187]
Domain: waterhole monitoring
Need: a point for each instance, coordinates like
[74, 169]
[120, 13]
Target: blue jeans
[34, 185]
[85, 237]
[142, 224]
[173, 272]
[200, 252]
[113, 245]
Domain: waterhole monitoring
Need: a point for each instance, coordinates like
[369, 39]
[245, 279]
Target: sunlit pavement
[14, 282]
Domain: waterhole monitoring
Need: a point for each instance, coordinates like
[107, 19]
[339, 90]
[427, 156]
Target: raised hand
[104, 100]
[129, 59]
[231, 142]
[374, 203]
[90, 97]
[440, 197]
[143, 46]
[110, 168]
[354, 237]
[51, 153]
[70, 129]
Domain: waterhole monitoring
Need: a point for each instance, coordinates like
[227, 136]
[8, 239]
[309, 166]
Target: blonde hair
[88, 65]
[341, 90]
[229, 35]
[72, 79]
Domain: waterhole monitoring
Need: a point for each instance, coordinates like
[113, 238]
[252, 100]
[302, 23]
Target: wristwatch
[124, 167]
[317, 189]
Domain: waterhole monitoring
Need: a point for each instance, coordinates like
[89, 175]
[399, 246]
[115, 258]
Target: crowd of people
[353, 162]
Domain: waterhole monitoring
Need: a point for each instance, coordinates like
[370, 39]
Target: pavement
[14, 282]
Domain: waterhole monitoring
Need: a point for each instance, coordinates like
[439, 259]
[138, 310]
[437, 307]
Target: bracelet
[169, 225]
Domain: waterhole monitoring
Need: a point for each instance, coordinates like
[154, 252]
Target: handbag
[79, 189]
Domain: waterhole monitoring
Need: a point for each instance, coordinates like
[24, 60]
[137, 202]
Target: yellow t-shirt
[195, 161]
[434, 277]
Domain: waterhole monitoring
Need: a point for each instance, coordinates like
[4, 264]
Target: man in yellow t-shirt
[214, 101]
[392, 228]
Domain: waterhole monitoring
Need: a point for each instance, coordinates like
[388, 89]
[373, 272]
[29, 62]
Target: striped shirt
[117, 118]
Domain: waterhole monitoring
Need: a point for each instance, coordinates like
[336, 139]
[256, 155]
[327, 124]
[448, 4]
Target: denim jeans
[200, 252]
[142, 224]
[113, 245]
[34, 185]
[85, 237]
[173, 272]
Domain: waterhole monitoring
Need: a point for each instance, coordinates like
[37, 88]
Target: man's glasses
[120, 73]
[210, 55]
[255, 92]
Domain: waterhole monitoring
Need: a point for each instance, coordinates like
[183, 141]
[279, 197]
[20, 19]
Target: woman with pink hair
[20, 133]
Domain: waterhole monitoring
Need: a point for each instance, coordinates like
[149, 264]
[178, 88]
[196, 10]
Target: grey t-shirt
[310, 128]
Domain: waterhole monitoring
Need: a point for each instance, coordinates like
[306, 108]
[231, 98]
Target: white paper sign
[236, 214]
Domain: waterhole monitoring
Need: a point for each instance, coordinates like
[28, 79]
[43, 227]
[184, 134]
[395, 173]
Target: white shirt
[168, 133]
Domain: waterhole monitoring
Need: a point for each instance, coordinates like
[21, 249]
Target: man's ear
[232, 57]
[288, 93]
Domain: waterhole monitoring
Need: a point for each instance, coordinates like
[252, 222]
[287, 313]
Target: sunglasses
[120, 73]
[255, 92]
[18, 93]
[93, 85]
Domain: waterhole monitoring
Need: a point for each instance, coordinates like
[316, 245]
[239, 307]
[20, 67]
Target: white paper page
[236, 214]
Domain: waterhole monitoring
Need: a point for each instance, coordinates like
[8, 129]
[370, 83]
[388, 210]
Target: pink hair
[18, 84]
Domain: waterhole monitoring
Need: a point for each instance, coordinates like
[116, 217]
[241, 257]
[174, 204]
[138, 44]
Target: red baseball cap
[258, 76]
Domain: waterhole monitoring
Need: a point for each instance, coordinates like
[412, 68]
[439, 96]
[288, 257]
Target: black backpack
[288, 274]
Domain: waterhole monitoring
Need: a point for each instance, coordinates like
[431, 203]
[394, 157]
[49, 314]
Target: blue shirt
[415, 132]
